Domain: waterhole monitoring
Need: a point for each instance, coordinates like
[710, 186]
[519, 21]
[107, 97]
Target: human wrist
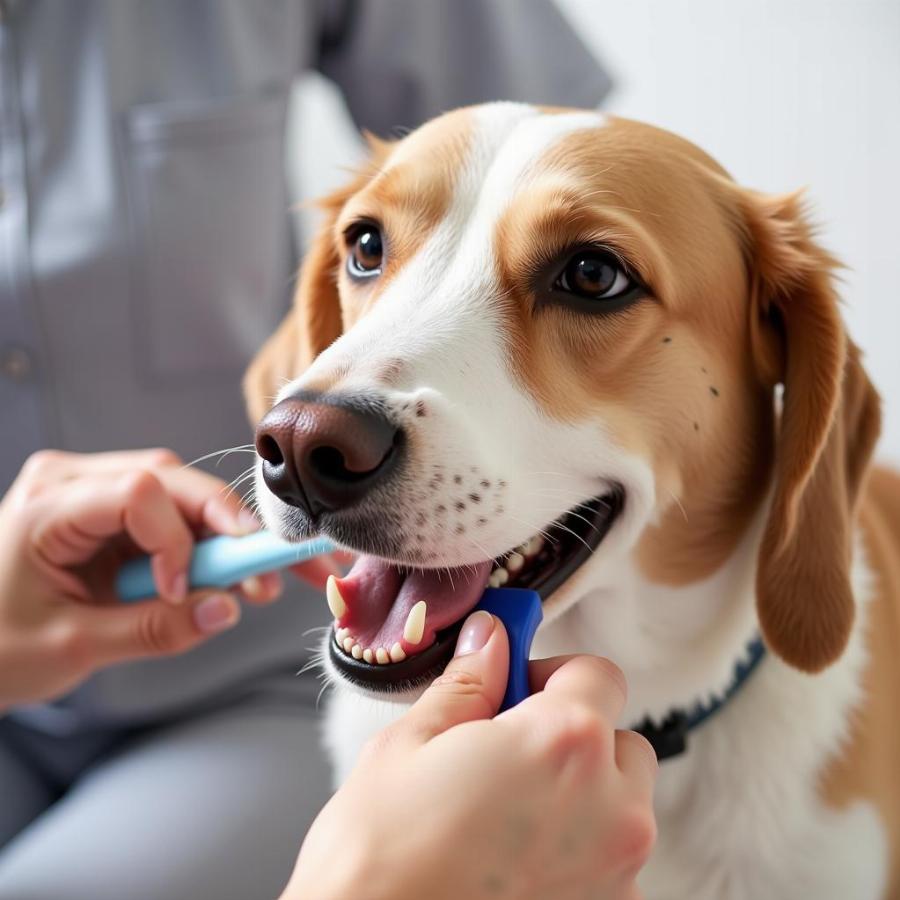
[354, 872]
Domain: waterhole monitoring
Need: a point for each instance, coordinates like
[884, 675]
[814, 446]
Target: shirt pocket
[210, 256]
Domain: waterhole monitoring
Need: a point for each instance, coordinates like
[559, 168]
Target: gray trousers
[213, 807]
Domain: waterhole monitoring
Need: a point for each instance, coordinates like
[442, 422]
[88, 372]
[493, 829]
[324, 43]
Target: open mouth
[395, 626]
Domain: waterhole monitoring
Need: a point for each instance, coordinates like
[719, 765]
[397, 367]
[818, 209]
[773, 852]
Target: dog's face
[526, 344]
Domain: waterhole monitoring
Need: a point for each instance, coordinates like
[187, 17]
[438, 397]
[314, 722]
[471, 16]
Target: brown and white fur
[746, 510]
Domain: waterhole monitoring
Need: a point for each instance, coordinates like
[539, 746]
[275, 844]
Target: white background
[783, 94]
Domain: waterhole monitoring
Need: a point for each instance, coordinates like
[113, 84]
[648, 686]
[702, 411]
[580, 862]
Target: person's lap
[215, 807]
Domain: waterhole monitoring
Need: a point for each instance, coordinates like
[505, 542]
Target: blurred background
[797, 93]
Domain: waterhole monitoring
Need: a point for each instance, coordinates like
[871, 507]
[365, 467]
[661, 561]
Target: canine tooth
[368, 655]
[356, 651]
[397, 653]
[382, 656]
[514, 562]
[335, 601]
[415, 623]
[347, 644]
[341, 634]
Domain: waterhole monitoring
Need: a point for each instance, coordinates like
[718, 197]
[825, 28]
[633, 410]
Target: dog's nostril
[330, 462]
[267, 447]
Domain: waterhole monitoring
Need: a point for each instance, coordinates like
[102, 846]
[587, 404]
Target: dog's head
[526, 338]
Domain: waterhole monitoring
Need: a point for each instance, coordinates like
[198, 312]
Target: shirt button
[16, 363]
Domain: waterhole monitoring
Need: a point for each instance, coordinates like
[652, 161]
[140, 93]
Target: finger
[594, 680]
[89, 512]
[55, 466]
[315, 571]
[113, 634]
[471, 686]
[636, 760]
[207, 502]
[262, 589]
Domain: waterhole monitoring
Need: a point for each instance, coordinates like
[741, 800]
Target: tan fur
[869, 768]
[395, 190]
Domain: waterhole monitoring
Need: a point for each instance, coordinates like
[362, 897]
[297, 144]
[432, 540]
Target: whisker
[242, 448]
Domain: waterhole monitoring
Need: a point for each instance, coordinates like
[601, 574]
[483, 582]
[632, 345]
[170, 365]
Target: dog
[555, 349]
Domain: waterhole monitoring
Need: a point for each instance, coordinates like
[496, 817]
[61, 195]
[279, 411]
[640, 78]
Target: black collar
[670, 738]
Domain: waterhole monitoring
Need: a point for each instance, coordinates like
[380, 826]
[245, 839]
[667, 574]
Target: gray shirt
[145, 246]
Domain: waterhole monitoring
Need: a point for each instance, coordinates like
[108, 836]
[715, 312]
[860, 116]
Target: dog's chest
[741, 814]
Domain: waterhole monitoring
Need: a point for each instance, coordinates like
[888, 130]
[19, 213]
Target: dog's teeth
[498, 577]
[341, 634]
[382, 656]
[356, 651]
[335, 601]
[534, 546]
[415, 623]
[347, 644]
[514, 562]
[368, 655]
[397, 653]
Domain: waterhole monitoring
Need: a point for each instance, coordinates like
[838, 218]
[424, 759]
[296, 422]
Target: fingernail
[178, 589]
[475, 633]
[252, 586]
[247, 521]
[216, 613]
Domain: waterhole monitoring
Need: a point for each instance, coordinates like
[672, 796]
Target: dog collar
[670, 738]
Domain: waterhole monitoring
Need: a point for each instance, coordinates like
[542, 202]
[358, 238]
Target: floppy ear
[313, 323]
[315, 320]
[829, 423]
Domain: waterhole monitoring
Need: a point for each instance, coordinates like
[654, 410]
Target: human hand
[67, 523]
[544, 800]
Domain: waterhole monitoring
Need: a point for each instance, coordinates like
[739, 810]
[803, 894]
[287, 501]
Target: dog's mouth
[397, 626]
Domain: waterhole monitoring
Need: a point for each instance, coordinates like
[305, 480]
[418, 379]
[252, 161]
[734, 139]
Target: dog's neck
[678, 626]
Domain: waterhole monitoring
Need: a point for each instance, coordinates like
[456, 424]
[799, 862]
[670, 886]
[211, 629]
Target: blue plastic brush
[521, 612]
[224, 561]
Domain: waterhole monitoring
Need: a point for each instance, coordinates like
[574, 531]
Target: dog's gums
[395, 625]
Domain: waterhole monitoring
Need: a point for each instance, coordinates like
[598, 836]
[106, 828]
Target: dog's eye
[594, 275]
[366, 252]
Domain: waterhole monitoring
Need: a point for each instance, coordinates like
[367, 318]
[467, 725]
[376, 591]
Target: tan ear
[829, 423]
[315, 320]
[313, 324]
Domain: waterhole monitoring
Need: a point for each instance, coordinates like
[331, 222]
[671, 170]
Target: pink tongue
[379, 597]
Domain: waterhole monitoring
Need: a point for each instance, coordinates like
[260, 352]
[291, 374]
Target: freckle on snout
[714, 391]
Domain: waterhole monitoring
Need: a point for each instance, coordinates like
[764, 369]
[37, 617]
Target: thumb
[155, 628]
[472, 685]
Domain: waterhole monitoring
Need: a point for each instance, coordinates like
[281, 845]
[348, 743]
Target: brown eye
[594, 275]
[366, 252]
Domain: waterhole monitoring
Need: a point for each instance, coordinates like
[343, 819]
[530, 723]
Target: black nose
[326, 453]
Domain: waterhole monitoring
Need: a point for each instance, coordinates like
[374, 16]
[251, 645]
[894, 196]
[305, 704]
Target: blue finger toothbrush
[520, 611]
[223, 561]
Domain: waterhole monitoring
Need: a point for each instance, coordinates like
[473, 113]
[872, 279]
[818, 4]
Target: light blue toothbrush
[223, 561]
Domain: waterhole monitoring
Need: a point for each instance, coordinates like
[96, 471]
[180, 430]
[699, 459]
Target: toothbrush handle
[222, 561]
[521, 613]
